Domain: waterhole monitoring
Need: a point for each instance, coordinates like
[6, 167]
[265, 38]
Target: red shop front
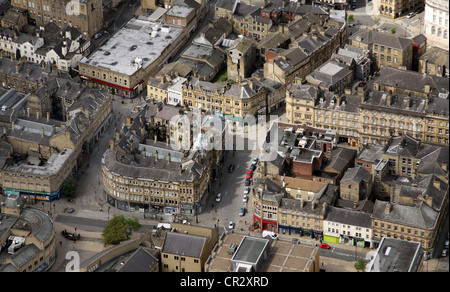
[265, 224]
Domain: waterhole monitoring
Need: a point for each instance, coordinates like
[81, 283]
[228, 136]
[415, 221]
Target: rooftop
[139, 43]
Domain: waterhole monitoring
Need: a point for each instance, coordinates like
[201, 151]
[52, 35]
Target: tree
[376, 21]
[119, 229]
[350, 18]
[360, 265]
[393, 30]
[69, 187]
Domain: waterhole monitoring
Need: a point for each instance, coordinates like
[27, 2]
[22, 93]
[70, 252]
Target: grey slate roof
[421, 216]
[349, 217]
[357, 174]
[381, 38]
[142, 260]
[183, 244]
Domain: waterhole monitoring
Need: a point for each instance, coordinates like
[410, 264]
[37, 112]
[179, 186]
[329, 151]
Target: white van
[272, 234]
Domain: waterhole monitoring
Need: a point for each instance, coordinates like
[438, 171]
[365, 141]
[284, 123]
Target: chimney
[156, 156]
[18, 67]
[155, 138]
[38, 114]
[169, 157]
[427, 88]
[48, 116]
[117, 136]
[128, 121]
[436, 183]
[388, 208]
[42, 131]
[389, 98]
[181, 168]
[324, 208]
[111, 143]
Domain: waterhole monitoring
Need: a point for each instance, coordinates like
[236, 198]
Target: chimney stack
[388, 208]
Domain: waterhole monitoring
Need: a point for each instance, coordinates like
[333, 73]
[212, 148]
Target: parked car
[249, 174]
[245, 199]
[246, 190]
[272, 234]
[410, 15]
[324, 245]
[97, 35]
[255, 160]
[444, 252]
[253, 167]
[242, 211]
[419, 10]
[446, 244]
[231, 225]
[247, 182]
[231, 168]
[218, 197]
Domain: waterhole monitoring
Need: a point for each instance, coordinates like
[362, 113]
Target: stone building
[84, 15]
[27, 246]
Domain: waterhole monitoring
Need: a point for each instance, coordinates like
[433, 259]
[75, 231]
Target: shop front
[33, 196]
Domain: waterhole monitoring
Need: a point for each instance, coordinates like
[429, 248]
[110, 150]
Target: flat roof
[137, 45]
[250, 249]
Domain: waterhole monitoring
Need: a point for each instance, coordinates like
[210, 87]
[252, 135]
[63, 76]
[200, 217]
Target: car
[253, 167]
[255, 160]
[446, 244]
[231, 225]
[242, 211]
[410, 15]
[271, 234]
[249, 174]
[247, 182]
[245, 199]
[231, 168]
[218, 197]
[419, 10]
[324, 245]
[97, 35]
[246, 190]
[444, 252]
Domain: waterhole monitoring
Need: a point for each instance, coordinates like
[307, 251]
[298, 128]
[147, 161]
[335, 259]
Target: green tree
[350, 18]
[69, 187]
[119, 229]
[393, 30]
[376, 21]
[360, 265]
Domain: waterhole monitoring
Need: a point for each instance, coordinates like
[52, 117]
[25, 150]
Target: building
[128, 75]
[396, 255]
[187, 248]
[26, 245]
[235, 101]
[16, 45]
[236, 252]
[418, 223]
[241, 59]
[20, 76]
[436, 23]
[347, 227]
[84, 15]
[38, 179]
[435, 62]
[397, 8]
[385, 49]
[356, 184]
[332, 76]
